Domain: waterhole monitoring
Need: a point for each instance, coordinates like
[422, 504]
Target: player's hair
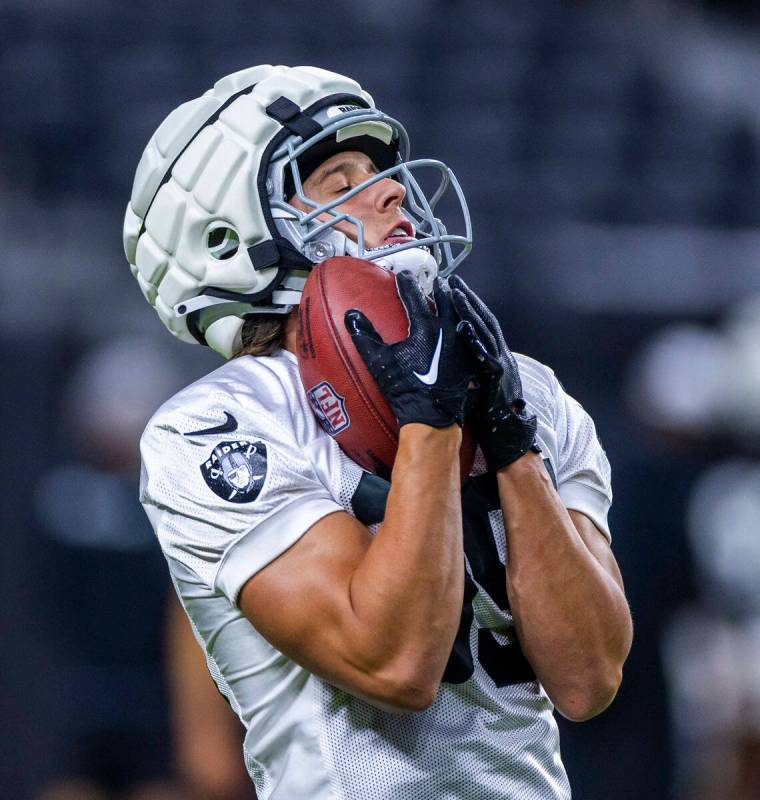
[262, 335]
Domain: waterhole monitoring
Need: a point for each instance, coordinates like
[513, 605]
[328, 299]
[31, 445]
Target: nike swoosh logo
[229, 425]
[431, 376]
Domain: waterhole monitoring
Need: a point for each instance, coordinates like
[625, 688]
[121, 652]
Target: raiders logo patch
[236, 471]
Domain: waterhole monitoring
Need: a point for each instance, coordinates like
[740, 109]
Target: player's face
[378, 206]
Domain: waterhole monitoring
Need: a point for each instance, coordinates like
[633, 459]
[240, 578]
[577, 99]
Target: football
[343, 395]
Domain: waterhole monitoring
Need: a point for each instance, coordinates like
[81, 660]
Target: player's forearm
[407, 591]
[571, 616]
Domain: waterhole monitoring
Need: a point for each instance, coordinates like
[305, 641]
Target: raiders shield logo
[236, 471]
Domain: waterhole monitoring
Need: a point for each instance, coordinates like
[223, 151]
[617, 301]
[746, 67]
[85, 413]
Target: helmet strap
[277, 252]
[290, 116]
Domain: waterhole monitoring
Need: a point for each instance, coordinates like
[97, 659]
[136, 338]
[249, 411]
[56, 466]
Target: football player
[403, 639]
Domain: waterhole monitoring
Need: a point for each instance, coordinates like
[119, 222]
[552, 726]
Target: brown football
[343, 395]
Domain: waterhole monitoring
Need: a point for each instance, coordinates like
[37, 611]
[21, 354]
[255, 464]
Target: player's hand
[505, 431]
[427, 377]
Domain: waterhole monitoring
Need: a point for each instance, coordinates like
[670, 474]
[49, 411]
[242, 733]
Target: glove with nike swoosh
[427, 377]
[505, 431]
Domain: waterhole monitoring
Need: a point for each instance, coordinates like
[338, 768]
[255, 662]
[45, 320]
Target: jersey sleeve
[583, 471]
[226, 504]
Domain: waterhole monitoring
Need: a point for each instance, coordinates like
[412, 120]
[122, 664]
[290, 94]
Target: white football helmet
[208, 231]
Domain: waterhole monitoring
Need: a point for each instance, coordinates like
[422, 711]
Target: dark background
[610, 156]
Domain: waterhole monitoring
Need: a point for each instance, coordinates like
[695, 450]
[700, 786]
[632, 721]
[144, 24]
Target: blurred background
[610, 154]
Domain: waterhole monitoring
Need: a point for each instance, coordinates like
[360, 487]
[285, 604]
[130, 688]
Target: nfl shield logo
[329, 408]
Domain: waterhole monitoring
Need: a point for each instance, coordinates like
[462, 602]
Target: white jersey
[235, 469]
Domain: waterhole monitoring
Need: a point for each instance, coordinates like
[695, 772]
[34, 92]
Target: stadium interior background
[610, 154]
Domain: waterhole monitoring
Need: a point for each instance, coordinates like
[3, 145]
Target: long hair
[262, 334]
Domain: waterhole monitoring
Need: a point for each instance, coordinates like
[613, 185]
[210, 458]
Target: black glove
[504, 430]
[427, 377]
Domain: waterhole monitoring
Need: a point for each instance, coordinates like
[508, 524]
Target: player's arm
[564, 586]
[565, 592]
[377, 616]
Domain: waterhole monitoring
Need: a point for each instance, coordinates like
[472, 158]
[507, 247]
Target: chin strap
[417, 260]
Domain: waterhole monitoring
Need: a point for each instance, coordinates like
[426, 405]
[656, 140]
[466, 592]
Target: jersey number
[504, 663]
